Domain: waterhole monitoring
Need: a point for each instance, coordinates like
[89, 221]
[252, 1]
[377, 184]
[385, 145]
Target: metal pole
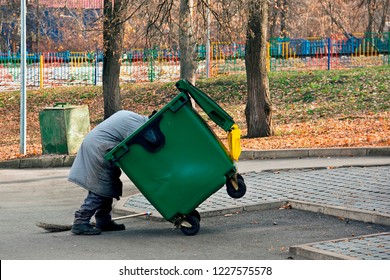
[37, 35]
[23, 9]
[208, 67]
[329, 53]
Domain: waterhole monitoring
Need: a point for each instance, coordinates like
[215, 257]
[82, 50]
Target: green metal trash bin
[63, 128]
[176, 160]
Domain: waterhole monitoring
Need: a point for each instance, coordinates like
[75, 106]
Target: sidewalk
[351, 188]
[354, 185]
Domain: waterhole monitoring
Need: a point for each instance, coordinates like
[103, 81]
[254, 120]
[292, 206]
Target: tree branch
[335, 20]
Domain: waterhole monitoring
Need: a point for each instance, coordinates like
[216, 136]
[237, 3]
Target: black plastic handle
[150, 137]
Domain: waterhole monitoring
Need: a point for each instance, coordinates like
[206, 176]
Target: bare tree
[187, 42]
[278, 17]
[371, 7]
[112, 48]
[9, 30]
[159, 18]
[60, 26]
[284, 17]
[335, 20]
[385, 15]
[377, 14]
[273, 17]
[115, 14]
[258, 109]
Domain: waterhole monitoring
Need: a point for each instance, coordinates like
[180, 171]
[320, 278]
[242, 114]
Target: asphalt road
[44, 195]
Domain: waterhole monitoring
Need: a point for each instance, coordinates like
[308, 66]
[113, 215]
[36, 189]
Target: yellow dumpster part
[234, 136]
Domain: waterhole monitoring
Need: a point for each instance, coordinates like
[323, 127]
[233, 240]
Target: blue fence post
[329, 52]
[96, 67]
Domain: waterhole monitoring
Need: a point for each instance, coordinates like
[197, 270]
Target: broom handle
[132, 216]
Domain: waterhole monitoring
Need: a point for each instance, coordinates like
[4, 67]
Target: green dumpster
[63, 128]
[176, 160]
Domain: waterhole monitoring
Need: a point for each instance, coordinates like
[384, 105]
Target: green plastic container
[175, 159]
[63, 128]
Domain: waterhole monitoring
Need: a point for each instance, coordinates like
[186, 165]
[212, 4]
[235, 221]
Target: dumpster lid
[63, 105]
[212, 109]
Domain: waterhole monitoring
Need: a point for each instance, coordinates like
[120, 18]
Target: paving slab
[354, 190]
[366, 247]
[356, 193]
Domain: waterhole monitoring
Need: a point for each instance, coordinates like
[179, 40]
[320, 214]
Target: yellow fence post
[212, 60]
[268, 59]
[41, 71]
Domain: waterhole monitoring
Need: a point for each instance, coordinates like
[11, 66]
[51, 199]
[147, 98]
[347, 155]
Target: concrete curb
[51, 161]
[346, 213]
[311, 253]
[321, 152]
[48, 161]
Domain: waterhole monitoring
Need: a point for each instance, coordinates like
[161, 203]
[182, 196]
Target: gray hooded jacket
[90, 170]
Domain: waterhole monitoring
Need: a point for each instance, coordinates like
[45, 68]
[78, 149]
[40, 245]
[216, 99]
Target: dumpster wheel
[236, 187]
[190, 225]
[196, 214]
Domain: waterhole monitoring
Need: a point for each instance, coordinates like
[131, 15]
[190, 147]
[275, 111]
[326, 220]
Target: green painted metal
[63, 128]
[152, 53]
[212, 109]
[175, 159]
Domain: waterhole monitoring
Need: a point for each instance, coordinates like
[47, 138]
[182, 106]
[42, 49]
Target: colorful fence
[329, 53]
[141, 65]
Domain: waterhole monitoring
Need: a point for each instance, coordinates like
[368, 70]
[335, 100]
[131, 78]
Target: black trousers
[97, 205]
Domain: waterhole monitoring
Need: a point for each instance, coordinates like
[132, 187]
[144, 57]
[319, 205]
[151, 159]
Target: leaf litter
[321, 109]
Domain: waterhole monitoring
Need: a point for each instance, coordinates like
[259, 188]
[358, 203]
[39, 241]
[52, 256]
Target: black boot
[111, 226]
[85, 229]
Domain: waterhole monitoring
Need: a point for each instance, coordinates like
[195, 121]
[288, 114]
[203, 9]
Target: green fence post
[151, 70]
[388, 48]
[129, 63]
[14, 63]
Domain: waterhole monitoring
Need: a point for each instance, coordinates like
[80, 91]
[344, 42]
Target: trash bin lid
[63, 106]
[212, 109]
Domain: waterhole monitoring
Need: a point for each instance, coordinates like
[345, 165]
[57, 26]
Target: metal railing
[149, 65]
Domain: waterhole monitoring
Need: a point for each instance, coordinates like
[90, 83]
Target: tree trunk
[258, 109]
[112, 44]
[274, 11]
[371, 6]
[187, 42]
[385, 9]
[283, 20]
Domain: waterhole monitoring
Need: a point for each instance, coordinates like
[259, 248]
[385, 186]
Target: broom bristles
[54, 227]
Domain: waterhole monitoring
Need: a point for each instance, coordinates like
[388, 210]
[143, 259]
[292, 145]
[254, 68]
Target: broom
[59, 228]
